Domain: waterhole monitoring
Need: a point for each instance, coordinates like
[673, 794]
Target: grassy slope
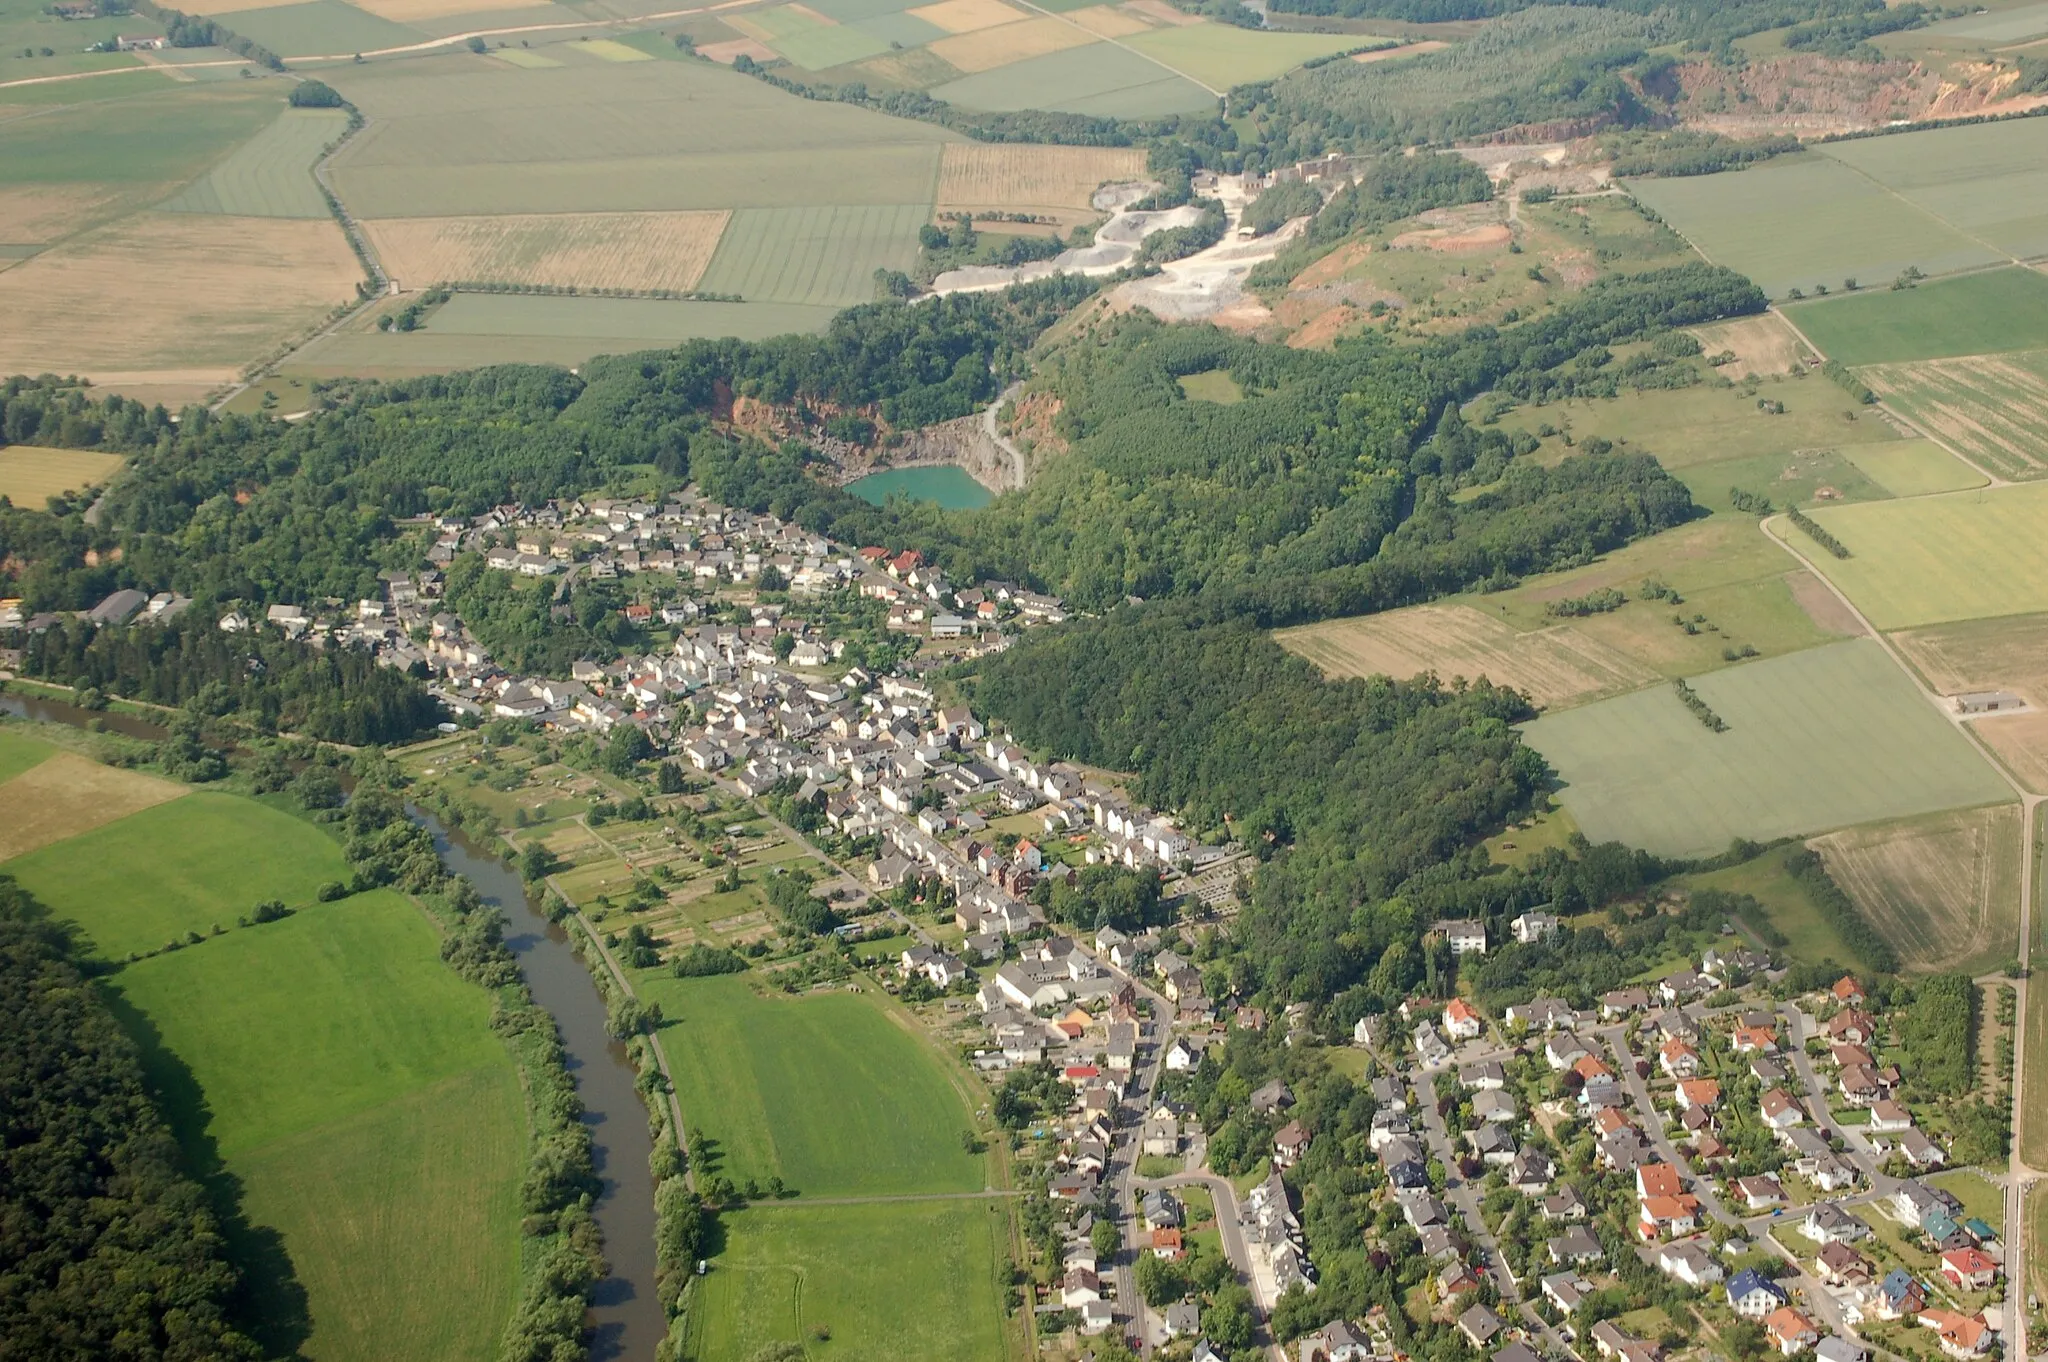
[825, 1092]
[183, 866]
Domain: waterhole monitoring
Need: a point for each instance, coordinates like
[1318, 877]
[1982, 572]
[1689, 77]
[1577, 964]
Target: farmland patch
[67, 795]
[532, 61]
[988, 48]
[1109, 21]
[1762, 345]
[1934, 560]
[270, 175]
[604, 49]
[580, 250]
[33, 216]
[1223, 55]
[1987, 313]
[1101, 78]
[1992, 408]
[19, 752]
[319, 28]
[1915, 468]
[968, 16]
[818, 256]
[1990, 179]
[1943, 890]
[1821, 739]
[30, 476]
[1008, 177]
[1553, 666]
[132, 144]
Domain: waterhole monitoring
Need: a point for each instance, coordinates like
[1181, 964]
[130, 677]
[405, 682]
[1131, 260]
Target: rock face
[965, 441]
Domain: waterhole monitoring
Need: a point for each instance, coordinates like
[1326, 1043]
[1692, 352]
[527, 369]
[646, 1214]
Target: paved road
[1652, 1122]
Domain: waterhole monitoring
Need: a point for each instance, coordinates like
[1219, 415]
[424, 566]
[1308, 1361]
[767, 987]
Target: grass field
[1554, 666]
[19, 752]
[1990, 180]
[30, 475]
[914, 1282]
[1943, 889]
[143, 142]
[1807, 220]
[319, 28]
[1761, 345]
[581, 250]
[1222, 55]
[1211, 385]
[1101, 79]
[182, 867]
[1713, 425]
[1934, 560]
[1990, 407]
[826, 1092]
[1979, 314]
[1821, 739]
[1914, 468]
[270, 175]
[66, 795]
[819, 256]
[1787, 906]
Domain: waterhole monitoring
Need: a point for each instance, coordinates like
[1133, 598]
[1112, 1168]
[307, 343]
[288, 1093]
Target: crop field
[969, 16]
[172, 298]
[181, 867]
[915, 1282]
[826, 1092]
[270, 175]
[19, 752]
[1979, 314]
[1807, 220]
[319, 28]
[1992, 408]
[470, 136]
[1008, 177]
[1556, 666]
[1101, 79]
[1990, 180]
[1943, 889]
[1821, 739]
[137, 147]
[1934, 560]
[820, 256]
[67, 794]
[30, 475]
[1914, 468]
[988, 48]
[36, 215]
[582, 250]
[2009, 653]
[1222, 55]
[1108, 21]
[1761, 345]
[382, 1142]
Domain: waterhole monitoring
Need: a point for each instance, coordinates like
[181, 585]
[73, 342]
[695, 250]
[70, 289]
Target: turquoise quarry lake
[946, 484]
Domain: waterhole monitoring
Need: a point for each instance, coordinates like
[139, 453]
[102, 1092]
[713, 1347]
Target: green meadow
[1933, 560]
[181, 867]
[827, 1092]
[19, 752]
[1978, 314]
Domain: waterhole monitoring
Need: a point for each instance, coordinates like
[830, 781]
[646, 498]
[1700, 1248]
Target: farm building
[1987, 701]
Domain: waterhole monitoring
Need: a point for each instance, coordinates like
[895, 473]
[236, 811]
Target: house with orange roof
[1754, 1040]
[1971, 1269]
[1847, 991]
[1962, 1336]
[1657, 1179]
[1677, 1059]
[1167, 1244]
[1669, 1217]
[1462, 1020]
[1789, 1331]
[1704, 1093]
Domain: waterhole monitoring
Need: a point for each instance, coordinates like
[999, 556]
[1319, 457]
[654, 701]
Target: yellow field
[1990, 408]
[33, 216]
[993, 47]
[1554, 666]
[519, 56]
[1936, 560]
[172, 298]
[978, 176]
[607, 50]
[1914, 468]
[1762, 345]
[1110, 21]
[583, 250]
[30, 475]
[1996, 654]
[1943, 889]
[968, 16]
[69, 794]
[407, 11]
[231, 6]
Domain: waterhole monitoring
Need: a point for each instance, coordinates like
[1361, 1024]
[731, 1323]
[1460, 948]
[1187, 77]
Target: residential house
[1290, 1142]
[1480, 1326]
[1839, 1265]
[1678, 1059]
[1703, 1094]
[1789, 1331]
[1899, 1296]
[1970, 1269]
[1753, 1295]
[1689, 1262]
[1779, 1111]
[1828, 1223]
[1466, 938]
[1623, 1001]
[1576, 1247]
[1851, 1026]
[1888, 1116]
[1532, 927]
[1835, 1348]
[1760, 1192]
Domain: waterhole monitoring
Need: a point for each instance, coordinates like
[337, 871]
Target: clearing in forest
[30, 474]
[1943, 890]
[1554, 666]
[562, 250]
[1935, 560]
[1993, 408]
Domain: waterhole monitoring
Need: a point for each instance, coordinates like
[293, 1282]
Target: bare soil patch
[1804, 94]
[1827, 610]
[579, 250]
[1944, 889]
[1761, 345]
[70, 794]
[1554, 666]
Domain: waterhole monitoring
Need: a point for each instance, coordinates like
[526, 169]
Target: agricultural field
[1821, 739]
[817, 257]
[904, 1282]
[1935, 560]
[1991, 312]
[66, 794]
[19, 752]
[827, 1092]
[1222, 55]
[30, 475]
[1943, 889]
[319, 28]
[1914, 468]
[2009, 653]
[1989, 180]
[1053, 181]
[1762, 346]
[1686, 428]
[577, 250]
[211, 858]
[1992, 408]
[1555, 666]
[1809, 221]
[270, 175]
[1102, 79]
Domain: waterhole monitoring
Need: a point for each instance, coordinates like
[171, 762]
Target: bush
[316, 94]
[332, 890]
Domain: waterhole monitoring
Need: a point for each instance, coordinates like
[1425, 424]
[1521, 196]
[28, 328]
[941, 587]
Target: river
[950, 486]
[625, 1310]
[26, 706]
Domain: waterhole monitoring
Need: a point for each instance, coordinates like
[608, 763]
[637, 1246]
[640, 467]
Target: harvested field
[45, 212]
[583, 250]
[1555, 667]
[270, 175]
[412, 11]
[1101, 78]
[1990, 654]
[821, 256]
[726, 53]
[1936, 560]
[1161, 11]
[970, 16]
[189, 294]
[1762, 345]
[1991, 408]
[1827, 610]
[989, 48]
[1944, 890]
[2021, 742]
[1223, 55]
[31, 475]
[319, 28]
[67, 795]
[1031, 179]
[1109, 21]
